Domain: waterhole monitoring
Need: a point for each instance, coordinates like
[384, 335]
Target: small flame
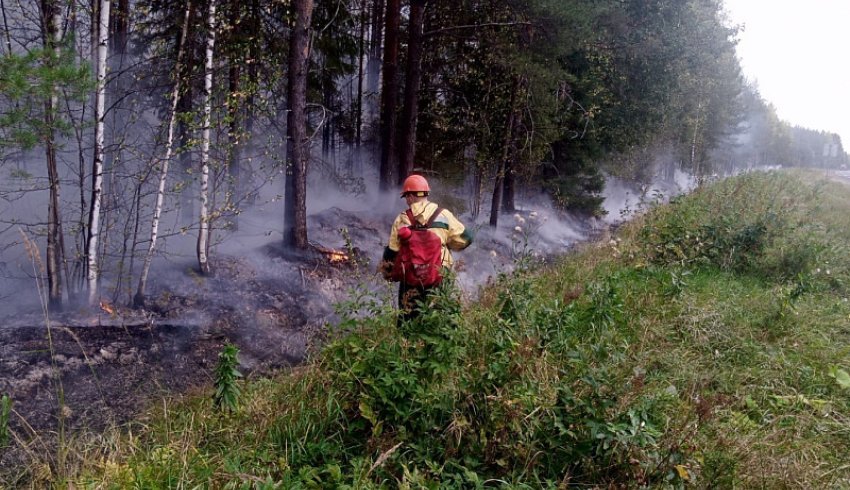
[336, 256]
[107, 307]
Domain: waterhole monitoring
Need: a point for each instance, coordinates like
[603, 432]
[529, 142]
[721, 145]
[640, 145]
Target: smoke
[339, 216]
[625, 198]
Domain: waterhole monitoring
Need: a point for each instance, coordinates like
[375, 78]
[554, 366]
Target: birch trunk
[139, 298]
[97, 166]
[295, 196]
[204, 225]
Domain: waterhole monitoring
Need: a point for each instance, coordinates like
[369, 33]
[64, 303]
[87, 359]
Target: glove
[385, 267]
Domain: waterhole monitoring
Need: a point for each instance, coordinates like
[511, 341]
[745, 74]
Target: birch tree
[97, 165]
[295, 196]
[139, 299]
[204, 227]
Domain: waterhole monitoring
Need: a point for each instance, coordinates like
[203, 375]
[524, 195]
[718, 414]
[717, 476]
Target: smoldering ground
[109, 363]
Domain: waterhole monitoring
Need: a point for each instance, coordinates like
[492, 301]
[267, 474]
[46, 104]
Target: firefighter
[452, 235]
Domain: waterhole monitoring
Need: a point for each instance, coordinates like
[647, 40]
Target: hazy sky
[797, 52]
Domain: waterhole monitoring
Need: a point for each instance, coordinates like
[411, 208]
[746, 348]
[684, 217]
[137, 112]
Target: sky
[797, 53]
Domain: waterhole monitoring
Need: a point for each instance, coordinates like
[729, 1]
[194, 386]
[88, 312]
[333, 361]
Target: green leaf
[367, 412]
[840, 376]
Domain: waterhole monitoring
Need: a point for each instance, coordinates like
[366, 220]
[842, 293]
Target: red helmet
[415, 183]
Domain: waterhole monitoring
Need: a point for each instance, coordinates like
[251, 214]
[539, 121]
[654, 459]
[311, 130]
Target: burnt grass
[108, 367]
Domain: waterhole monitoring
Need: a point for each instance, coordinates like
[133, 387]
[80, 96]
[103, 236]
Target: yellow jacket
[451, 231]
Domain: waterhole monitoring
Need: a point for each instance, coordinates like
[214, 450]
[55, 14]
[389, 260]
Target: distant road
[843, 175]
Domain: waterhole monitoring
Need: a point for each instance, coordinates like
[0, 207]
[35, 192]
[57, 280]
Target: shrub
[226, 396]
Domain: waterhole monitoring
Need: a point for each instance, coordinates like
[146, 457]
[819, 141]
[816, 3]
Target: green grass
[702, 348]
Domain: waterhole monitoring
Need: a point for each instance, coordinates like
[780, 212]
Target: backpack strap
[415, 224]
[433, 217]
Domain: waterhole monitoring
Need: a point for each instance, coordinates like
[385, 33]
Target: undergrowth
[707, 347]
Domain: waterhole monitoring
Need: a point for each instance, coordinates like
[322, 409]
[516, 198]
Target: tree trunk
[506, 154]
[249, 190]
[120, 27]
[509, 184]
[358, 120]
[184, 137]
[328, 92]
[97, 165]
[389, 95]
[410, 111]
[373, 70]
[95, 14]
[509, 191]
[139, 298]
[204, 219]
[694, 164]
[477, 172]
[295, 196]
[234, 135]
[6, 28]
[52, 37]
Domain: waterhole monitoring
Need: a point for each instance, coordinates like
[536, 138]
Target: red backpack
[420, 257]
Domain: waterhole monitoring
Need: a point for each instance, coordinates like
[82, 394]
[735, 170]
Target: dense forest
[117, 115]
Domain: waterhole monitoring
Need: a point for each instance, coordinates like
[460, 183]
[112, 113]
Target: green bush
[755, 224]
[692, 353]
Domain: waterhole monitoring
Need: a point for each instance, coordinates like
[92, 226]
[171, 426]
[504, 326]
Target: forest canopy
[494, 97]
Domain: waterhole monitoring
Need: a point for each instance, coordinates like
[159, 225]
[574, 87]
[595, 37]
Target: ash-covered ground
[107, 366]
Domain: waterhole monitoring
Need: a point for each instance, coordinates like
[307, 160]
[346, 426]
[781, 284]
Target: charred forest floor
[95, 369]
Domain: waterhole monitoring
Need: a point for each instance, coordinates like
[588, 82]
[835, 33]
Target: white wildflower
[493, 254]
[517, 229]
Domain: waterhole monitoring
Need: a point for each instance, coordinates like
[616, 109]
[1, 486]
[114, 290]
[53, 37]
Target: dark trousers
[410, 299]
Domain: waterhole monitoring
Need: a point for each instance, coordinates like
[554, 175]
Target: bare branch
[475, 26]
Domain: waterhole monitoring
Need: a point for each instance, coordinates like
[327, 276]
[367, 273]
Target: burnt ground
[274, 306]
[110, 366]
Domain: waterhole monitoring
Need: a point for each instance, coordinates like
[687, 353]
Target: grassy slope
[704, 346]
